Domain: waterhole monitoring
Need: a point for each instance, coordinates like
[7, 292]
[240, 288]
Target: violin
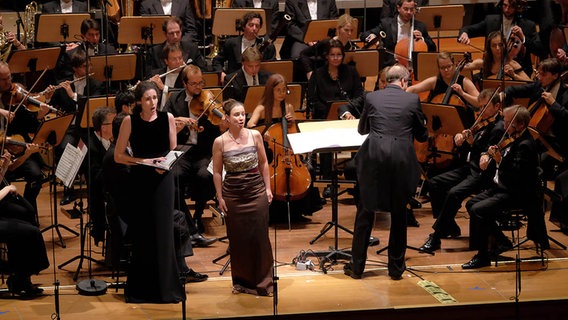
[206, 104]
[20, 96]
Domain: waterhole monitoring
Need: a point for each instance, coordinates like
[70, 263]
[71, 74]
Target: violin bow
[217, 96]
[485, 107]
[27, 92]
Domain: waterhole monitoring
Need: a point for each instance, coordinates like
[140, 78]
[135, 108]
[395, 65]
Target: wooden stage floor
[437, 287]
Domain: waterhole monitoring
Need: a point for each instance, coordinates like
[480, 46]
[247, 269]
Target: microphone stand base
[91, 287]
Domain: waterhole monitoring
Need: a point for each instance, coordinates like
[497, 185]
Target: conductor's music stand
[32, 60]
[226, 21]
[431, 16]
[58, 126]
[69, 25]
[329, 136]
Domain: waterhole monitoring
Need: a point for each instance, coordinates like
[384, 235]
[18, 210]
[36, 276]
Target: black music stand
[69, 25]
[32, 60]
[329, 136]
[227, 21]
[317, 30]
[58, 126]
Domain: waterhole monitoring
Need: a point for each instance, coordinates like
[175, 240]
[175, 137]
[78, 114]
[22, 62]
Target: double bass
[289, 176]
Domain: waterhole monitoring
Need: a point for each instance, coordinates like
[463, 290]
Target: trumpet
[133, 88]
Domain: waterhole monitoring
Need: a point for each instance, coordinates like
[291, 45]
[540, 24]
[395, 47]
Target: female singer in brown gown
[244, 196]
[153, 276]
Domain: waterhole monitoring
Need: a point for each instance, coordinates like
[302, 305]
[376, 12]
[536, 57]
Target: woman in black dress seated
[153, 276]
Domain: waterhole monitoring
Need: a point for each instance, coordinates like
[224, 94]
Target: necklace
[233, 138]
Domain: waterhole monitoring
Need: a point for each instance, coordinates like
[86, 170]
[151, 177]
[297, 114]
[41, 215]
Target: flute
[132, 88]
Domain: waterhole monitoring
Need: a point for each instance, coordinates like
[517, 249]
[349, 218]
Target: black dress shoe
[199, 240]
[477, 262]
[432, 244]
[22, 286]
[396, 277]
[199, 225]
[192, 276]
[373, 241]
[349, 272]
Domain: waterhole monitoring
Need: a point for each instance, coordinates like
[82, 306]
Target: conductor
[387, 168]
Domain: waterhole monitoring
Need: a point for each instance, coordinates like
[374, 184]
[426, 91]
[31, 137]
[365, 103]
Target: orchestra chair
[283, 67]
[333, 106]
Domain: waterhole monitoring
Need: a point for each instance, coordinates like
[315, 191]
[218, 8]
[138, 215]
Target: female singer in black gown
[153, 276]
[244, 196]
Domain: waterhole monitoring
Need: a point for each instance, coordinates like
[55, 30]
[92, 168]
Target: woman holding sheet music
[153, 276]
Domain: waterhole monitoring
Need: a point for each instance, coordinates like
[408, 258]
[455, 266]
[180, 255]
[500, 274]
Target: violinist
[513, 23]
[19, 230]
[490, 65]
[397, 28]
[23, 122]
[449, 189]
[248, 75]
[313, 57]
[187, 106]
[550, 92]
[234, 47]
[438, 85]
[515, 185]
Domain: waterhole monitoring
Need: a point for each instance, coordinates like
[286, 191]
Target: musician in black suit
[248, 75]
[515, 186]
[172, 29]
[64, 6]
[513, 24]
[399, 25]
[177, 8]
[449, 189]
[387, 168]
[186, 106]
[172, 79]
[270, 5]
[389, 7]
[302, 13]
[234, 47]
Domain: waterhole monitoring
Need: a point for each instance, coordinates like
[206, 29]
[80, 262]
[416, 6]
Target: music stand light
[32, 60]
[69, 26]
[226, 21]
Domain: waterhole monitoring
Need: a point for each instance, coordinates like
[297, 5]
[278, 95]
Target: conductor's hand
[464, 38]
[348, 116]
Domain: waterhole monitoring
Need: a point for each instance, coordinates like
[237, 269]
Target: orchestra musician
[234, 47]
[269, 109]
[302, 12]
[172, 28]
[515, 185]
[19, 231]
[187, 106]
[174, 8]
[21, 122]
[513, 24]
[449, 189]
[64, 6]
[173, 58]
[10, 38]
[491, 64]
[248, 75]
[397, 28]
[271, 6]
[387, 168]
[389, 9]
[314, 57]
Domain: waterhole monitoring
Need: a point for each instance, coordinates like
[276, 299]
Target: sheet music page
[70, 163]
[171, 158]
[305, 142]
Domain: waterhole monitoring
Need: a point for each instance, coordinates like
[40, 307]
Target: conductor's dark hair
[89, 24]
[99, 116]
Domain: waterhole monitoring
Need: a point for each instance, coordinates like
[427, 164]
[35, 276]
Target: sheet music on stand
[326, 134]
[70, 163]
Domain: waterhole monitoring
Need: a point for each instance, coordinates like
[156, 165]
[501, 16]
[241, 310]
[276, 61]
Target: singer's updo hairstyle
[229, 105]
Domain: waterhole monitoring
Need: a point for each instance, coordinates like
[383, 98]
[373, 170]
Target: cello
[289, 176]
